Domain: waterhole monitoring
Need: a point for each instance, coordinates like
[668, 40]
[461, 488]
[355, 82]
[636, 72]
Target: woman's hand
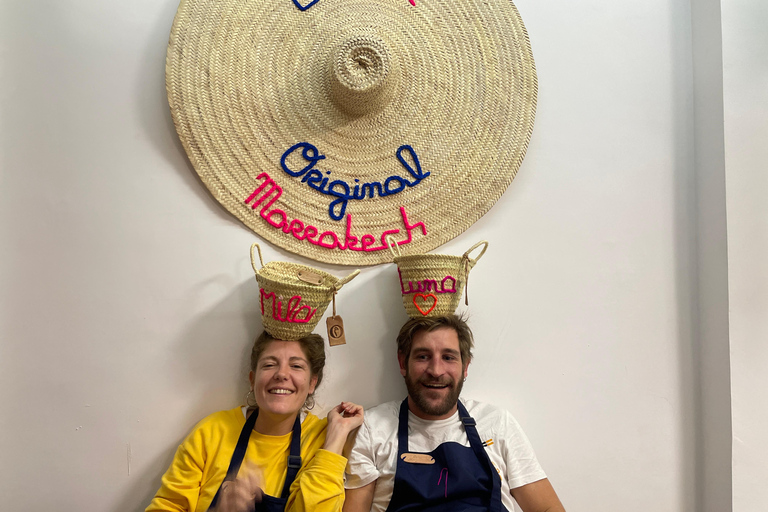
[342, 420]
[242, 493]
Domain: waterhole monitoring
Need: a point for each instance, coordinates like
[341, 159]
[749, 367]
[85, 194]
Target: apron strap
[294, 458]
[402, 429]
[239, 453]
[477, 446]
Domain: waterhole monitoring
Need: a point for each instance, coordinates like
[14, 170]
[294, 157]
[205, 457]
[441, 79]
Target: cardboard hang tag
[335, 330]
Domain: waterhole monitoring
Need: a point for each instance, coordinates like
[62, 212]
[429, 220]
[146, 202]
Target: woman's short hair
[429, 324]
[313, 347]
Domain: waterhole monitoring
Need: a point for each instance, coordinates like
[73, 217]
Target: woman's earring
[249, 404]
[309, 403]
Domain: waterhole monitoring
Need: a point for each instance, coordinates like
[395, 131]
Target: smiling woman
[271, 454]
[284, 376]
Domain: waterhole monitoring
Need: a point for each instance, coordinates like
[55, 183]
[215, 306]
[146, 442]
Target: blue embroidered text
[341, 189]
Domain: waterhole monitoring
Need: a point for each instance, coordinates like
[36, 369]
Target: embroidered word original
[268, 192]
[447, 285]
[292, 308]
[340, 189]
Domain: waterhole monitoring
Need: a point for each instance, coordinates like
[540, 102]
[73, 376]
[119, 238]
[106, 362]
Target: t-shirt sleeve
[522, 465]
[180, 485]
[361, 466]
[319, 486]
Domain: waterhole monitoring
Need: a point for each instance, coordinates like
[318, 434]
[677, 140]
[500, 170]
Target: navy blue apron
[268, 503]
[461, 479]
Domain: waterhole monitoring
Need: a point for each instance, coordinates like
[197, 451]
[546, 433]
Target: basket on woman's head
[293, 297]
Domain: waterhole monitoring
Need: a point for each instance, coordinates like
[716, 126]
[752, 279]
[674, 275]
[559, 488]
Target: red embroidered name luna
[268, 192]
[447, 285]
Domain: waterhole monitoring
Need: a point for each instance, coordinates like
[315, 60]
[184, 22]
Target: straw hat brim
[247, 80]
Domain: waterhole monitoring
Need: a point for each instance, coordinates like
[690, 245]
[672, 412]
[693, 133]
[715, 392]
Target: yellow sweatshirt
[202, 460]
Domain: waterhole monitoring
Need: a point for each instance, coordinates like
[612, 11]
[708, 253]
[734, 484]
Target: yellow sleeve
[200, 464]
[180, 486]
[319, 486]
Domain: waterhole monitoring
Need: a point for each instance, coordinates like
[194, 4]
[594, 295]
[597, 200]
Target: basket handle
[253, 260]
[484, 243]
[345, 280]
[466, 259]
[393, 247]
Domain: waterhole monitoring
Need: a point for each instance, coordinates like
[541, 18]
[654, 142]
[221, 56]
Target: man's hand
[342, 419]
[242, 493]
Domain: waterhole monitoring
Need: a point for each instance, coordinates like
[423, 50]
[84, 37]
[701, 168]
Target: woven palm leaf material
[431, 284]
[293, 297]
[327, 126]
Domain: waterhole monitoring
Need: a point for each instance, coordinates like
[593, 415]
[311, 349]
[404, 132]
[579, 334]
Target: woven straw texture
[290, 306]
[432, 284]
[361, 82]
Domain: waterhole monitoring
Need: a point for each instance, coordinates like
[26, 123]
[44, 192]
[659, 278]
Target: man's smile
[435, 385]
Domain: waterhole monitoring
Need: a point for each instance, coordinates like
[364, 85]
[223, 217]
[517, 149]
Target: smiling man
[434, 452]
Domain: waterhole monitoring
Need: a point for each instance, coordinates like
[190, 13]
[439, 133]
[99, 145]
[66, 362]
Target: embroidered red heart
[425, 297]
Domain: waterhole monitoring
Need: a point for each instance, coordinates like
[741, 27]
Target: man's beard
[417, 394]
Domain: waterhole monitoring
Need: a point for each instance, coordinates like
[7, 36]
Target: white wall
[129, 305]
[745, 85]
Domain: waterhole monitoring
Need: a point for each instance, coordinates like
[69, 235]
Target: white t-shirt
[374, 455]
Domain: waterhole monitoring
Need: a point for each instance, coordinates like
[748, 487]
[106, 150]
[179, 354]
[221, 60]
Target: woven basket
[432, 284]
[293, 297]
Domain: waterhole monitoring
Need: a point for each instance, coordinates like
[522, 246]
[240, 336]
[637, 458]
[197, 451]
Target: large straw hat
[326, 125]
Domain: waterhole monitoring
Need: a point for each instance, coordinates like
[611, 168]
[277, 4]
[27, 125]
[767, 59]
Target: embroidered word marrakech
[292, 308]
[268, 192]
[341, 189]
[447, 285]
